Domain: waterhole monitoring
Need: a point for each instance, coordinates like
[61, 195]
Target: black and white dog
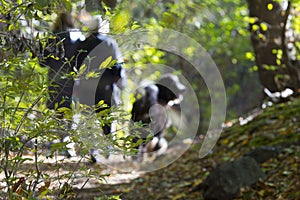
[150, 110]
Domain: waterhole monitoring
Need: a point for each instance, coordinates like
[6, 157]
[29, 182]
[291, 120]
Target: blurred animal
[150, 110]
[59, 58]
[111, 80]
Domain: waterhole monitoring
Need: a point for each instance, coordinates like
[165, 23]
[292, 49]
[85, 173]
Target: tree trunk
[274, 45]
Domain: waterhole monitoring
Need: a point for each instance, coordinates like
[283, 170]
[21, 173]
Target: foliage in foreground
[30, 134]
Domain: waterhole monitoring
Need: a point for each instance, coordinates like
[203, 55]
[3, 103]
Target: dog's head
[170, 89]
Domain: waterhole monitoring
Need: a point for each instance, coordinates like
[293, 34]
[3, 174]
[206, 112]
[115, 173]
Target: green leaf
[10, 27]
[270, 6]
[100, 103]
[82, 69]
[135, 26]
[255, 68]
[264, 26]
[92, 74]
[63, 109]
[278, 61]
[255, 27]
[54, 57]
[120, 21]
[249, 56]
[42, 3]
[252, 20]
[105, 63]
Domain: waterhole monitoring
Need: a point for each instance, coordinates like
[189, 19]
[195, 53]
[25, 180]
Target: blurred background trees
[221, 27]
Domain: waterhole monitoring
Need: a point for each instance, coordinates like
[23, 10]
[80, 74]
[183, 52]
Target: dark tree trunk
[274, 45]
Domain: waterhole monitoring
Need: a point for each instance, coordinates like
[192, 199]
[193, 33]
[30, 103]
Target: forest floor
[276, 126]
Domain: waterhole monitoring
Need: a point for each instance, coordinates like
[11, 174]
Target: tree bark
[273, 42]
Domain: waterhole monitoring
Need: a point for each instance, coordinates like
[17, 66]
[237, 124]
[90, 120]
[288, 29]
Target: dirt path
[86, 178]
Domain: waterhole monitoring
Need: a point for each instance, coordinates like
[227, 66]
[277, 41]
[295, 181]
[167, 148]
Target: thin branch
[36, 167]
[29, 110]
[16, 108]
[86, 181]
[283, 36]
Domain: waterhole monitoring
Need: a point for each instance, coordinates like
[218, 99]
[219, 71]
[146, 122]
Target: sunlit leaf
[92, 74]
[270, 6]
[105, 63]
[250, 56]
[264, 26]
[54, 57]
[10, 27]
[255, 27]
[82, 70]
[120, 21]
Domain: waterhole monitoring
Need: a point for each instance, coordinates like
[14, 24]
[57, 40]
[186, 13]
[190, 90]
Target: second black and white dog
[150, 111]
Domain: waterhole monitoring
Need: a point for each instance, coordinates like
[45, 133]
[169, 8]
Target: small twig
[74, 169]
[16, 108]
[28, 111]
[36, 167]
[58, 174]
[5, 169]
[77, 193]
